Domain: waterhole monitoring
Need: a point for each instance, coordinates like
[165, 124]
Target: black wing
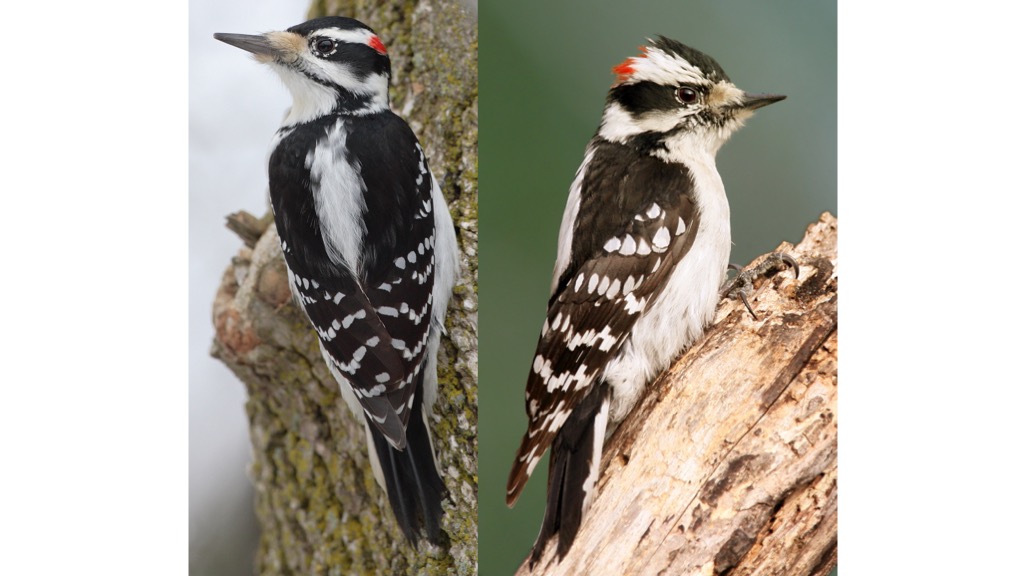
[636, 221]
[373, 318]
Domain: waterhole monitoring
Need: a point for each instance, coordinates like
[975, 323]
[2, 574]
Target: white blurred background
[234, 107]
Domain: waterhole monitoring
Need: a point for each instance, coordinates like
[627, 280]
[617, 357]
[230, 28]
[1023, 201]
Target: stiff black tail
[414, 487]
[572, 472]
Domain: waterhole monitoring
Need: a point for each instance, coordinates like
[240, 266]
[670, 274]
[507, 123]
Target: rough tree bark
[728, 466]
[318, 505]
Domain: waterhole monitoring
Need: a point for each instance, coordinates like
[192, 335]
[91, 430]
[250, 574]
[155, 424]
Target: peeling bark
[728, 465]
[320, 510]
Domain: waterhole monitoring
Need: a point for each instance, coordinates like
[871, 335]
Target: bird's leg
[743, 284]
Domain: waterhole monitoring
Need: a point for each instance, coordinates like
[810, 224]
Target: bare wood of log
[728, 465]
[248, 227]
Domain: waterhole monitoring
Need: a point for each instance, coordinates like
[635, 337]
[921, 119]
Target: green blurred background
[544, 71]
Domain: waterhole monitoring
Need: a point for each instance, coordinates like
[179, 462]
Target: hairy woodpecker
[368, 243]
[642, 253]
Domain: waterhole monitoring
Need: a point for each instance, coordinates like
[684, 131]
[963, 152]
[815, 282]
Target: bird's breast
[687, 304]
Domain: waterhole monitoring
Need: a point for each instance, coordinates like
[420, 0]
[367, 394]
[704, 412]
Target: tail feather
[572, 473]
[414, 487]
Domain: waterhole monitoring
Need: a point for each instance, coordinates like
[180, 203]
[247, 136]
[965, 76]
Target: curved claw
[743, 297]
[792, 262]
[736, 267]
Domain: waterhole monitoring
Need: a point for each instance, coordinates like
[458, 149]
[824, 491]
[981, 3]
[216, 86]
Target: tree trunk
[320, 510]
[728, 465]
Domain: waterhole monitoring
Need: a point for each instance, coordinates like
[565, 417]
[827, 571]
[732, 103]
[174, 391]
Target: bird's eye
[324, 46]
[686, 95]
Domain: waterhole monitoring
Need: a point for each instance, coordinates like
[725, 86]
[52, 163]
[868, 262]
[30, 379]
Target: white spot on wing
[628, 246]
[613, 290]
[633, 305]
[661, 239]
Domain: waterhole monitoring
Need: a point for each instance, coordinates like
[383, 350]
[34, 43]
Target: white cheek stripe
[359, 36]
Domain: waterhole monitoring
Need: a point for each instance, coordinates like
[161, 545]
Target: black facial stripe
[312, 76]
[644, 97]
[646, 143]
[361, 60]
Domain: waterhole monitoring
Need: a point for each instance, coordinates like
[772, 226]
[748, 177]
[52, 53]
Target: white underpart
[687, 305]
[572, 209]
[446, 270]
[309, 99]
[338, 195]
[682, 147]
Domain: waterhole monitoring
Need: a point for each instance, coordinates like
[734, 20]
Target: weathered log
[728, 465]
[319, 508]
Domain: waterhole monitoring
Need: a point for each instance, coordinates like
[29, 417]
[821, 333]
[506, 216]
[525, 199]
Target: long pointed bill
[755, 101]
[248, 42]
[284, 47]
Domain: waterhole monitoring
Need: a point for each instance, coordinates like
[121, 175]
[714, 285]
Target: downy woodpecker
[369, 245]
[642, 253]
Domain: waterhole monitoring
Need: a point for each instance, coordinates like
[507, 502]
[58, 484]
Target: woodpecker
[369, 246]
[643, 251]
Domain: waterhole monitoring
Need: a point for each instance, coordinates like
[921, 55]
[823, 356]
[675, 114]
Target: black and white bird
[643, 251]
[369, 245]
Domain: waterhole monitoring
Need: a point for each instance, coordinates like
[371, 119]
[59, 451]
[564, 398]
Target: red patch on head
[377, 45]
[624, 70]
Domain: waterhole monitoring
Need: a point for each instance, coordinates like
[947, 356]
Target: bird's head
[330, 65]
[672, 96]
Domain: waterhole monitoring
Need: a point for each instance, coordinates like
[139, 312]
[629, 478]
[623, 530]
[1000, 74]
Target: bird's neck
[314, 104]
[312, 100]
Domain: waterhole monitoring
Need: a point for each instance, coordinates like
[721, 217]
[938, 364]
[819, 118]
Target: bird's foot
[743, 284]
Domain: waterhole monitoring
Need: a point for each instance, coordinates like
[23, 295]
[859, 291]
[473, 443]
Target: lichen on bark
[320, 510]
